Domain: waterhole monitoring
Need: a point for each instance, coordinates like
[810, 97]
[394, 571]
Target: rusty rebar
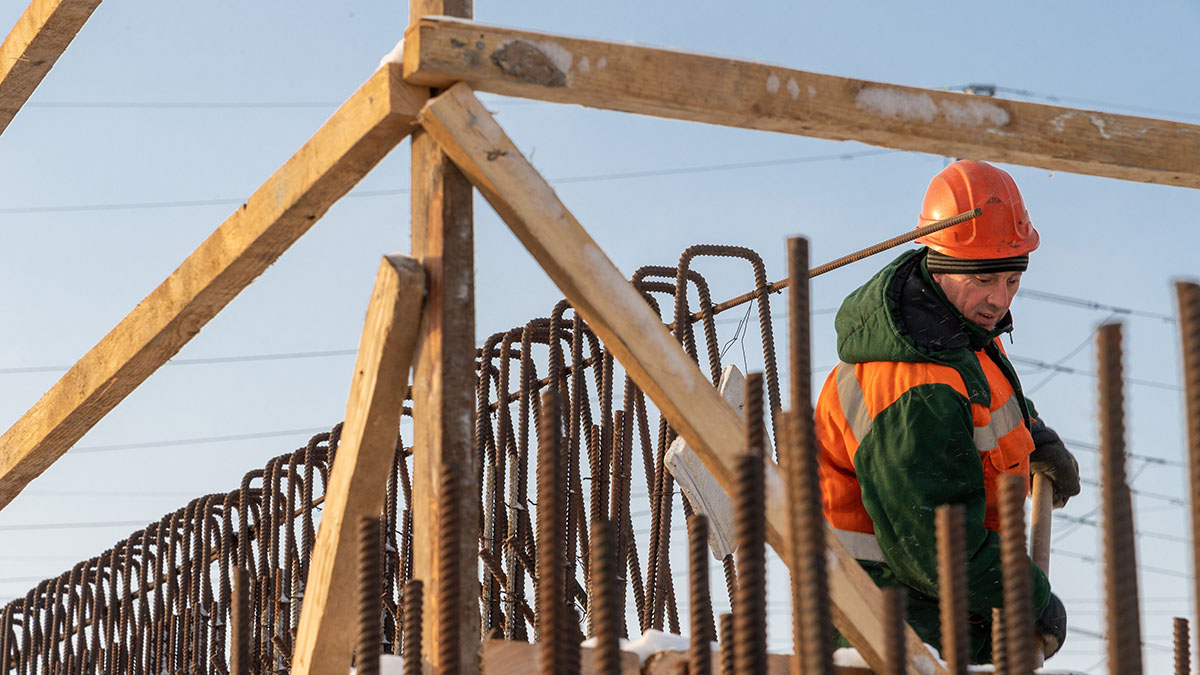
[999, 643]
[728, 659]
[1188, 295]
[413, 595]
[557, 630]
[241, 620]
[446, 602]
[370, 588]
[1018, 584]
[603, 598]
[749, 605]
[1183, 657]
[895, 612]
[700, 654]
[1120, 557]
[952, 587]
[798, 451]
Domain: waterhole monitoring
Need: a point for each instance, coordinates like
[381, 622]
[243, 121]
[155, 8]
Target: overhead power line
[195, 441]
[1091, 304]
[205, 361]
[1043, 365]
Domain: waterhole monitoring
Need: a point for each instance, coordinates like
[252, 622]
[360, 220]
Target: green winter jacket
[920, 452]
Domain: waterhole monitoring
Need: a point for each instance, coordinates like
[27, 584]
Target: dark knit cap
[940, 263]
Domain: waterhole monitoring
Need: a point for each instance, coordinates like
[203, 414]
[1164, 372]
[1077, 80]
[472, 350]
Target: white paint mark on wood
[1098, 122]
[1059, 122]
[773, 83]
[812, 91]
[896, 104]
[600, 65]
[558, 55]
[974, 114]
[793, 88]
[584, 65]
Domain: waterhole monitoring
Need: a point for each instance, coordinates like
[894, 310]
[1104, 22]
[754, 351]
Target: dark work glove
[1052, 458]
[1052, 626]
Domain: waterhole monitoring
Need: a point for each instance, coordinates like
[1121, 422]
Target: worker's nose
[1000, 297]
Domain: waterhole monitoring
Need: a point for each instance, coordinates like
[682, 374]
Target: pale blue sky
[71, 274]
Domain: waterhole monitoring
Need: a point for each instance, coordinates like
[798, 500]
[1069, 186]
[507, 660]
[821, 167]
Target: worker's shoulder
[884, 382]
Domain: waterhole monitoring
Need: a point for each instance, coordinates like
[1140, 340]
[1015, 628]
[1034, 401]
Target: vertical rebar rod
[728, 662]
[952, 587]
[557, 631]
[1183, 655]
[700, 657]
[1018, 584]
[749, 605]
[999, 643]
[1120, 568]
[810, 593]
[447, 600]
[370, 589]
[1189, 329]
[603, 600]
[895, 611]
[414, 591]
[240, 654]
[618, 508]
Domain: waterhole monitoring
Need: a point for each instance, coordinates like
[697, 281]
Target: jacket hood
[901, 314]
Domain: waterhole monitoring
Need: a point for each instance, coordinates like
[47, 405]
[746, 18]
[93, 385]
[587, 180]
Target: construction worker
[925, 408]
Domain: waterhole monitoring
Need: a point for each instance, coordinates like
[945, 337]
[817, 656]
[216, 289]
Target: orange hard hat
[1002, 231]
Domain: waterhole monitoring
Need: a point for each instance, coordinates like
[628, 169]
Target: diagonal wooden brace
[470, 136]
[358, 481]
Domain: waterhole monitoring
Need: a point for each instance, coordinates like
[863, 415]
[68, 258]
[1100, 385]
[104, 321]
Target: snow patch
[1098, 122]
[650, 643]
[389, 664]
[394, 56]
[974, 113]
[773, 84]
[793, 88]
[896, 104]
[557, 54]
[850, 658]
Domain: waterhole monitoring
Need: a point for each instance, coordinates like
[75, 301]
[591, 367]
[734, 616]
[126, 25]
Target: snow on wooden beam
[358, 480]
[33, 46]
[655, 360]
[368, 125]
[439, 51]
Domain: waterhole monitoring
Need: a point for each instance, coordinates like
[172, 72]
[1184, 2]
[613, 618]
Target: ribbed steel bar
[999, 643]
[750, 603]
[798, 451]
[605, 609]
[446, 601]
[728, 640]
[1018, 584]
[1120, 557]
[370, 590]
[1188, 295]
[895, 612]
[952, 587]
[1183, 657]
[557, 630]
[241, 664]
[413, 595]
[700, 652]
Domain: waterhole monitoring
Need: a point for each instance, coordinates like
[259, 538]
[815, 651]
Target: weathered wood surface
[33, 46]
[376, 118]
[440, 51]
[638, 339]
[501, 657]
[444, 385]
[358, 481]
[668, 663]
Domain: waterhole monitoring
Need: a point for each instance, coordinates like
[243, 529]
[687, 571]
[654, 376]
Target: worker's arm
[919, 454]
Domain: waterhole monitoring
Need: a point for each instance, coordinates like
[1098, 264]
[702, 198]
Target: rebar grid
[952, 587]
[1183, 655]
[1018, 584]
[414, 592]
[895, 611]
[604, 599]
[1120, 557]
[750, 603]
[811, 633]
[1188, 295]
[370, 591]
[999, 643]
[700, 652]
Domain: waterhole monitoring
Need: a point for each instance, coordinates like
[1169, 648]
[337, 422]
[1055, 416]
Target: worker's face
[982, 298]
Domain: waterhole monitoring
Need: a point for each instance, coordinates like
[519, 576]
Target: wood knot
[527, 63]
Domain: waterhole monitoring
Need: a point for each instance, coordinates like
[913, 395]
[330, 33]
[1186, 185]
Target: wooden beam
[377, 117]
[443, 238]
[33, 46]
[638, 339]
[358, 481]
[686, 86]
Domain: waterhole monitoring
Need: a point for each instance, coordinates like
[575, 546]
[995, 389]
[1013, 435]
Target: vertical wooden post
[444, 374]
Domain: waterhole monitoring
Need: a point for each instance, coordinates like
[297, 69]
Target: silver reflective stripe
[861, 545]
[1004, 419]
[854, 401]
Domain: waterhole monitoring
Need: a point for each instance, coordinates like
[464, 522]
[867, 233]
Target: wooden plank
[680, 85]
[33, 46]
[377, 117]
[444, 388]
[670, 662]
[358, 481]
[638, 339]
[501, 657]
